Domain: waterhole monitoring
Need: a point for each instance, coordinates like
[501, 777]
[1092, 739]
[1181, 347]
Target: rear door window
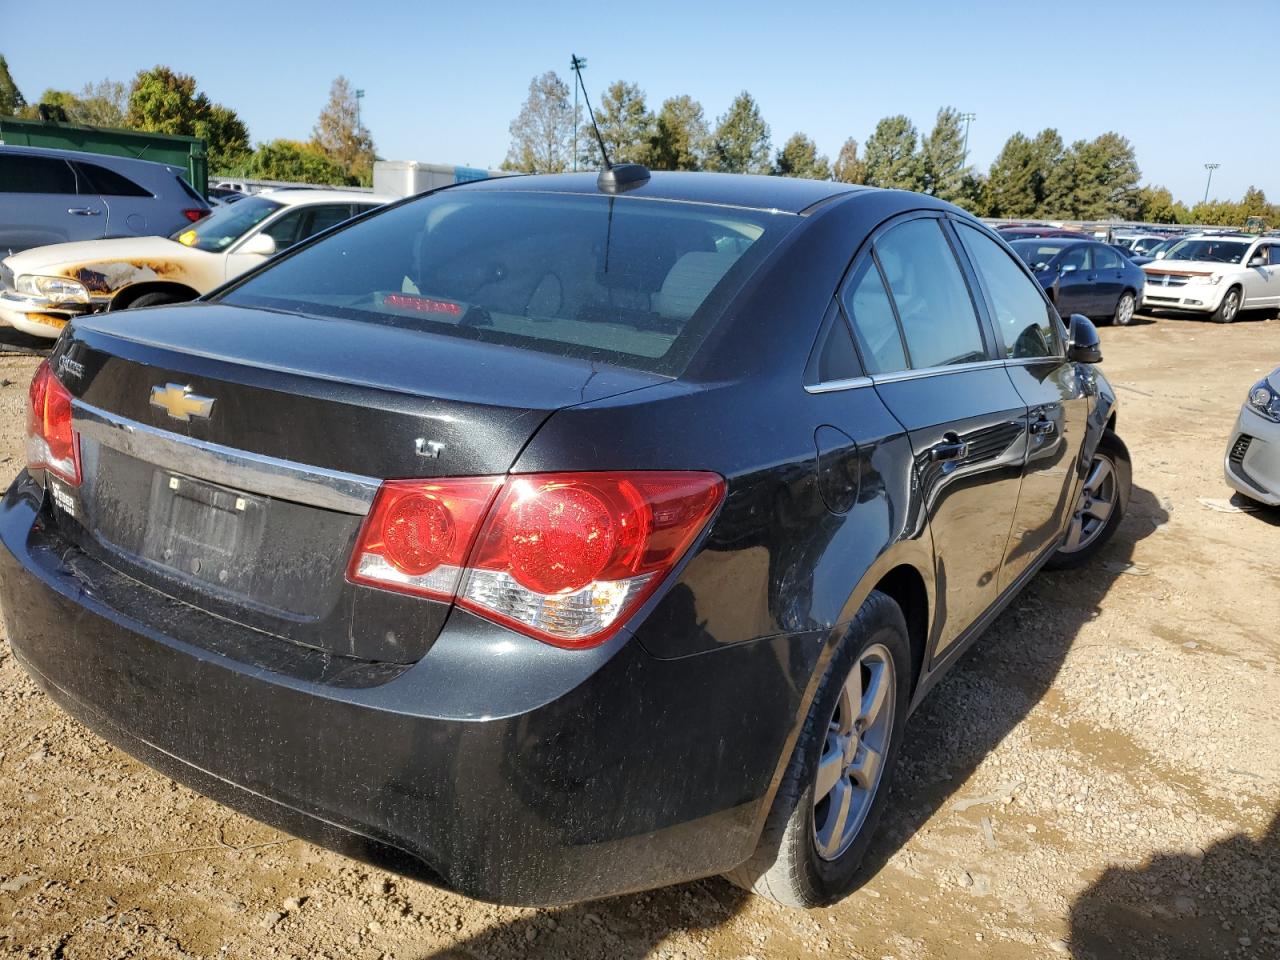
[21, 173]
[874, 324]
[1104, 258]
[1077, 258]
[108, 183]
[939, 322]
[1022, 314]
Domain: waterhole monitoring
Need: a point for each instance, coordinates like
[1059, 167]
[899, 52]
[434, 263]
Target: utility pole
[359, 97]
[1210, 167]
[577, 64]
[968, 118]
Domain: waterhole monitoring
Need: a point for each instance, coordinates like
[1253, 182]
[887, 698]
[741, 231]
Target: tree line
[1039, 177]
[161, 100]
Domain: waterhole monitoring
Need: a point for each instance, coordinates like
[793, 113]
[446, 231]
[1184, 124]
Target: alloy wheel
[1230, 306]
[852, 762]
[1124, 310]
[1095, 506]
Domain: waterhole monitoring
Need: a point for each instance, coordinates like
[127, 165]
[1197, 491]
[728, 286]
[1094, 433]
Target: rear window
[624, 280]
[220, 230]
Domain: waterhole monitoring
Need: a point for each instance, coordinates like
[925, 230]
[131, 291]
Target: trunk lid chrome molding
[226, 466]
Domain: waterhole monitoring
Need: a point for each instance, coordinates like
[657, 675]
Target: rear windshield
[624, 280]
[220, 230]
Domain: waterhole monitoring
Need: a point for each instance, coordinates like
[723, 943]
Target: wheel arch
[126, 296]
[905, 585]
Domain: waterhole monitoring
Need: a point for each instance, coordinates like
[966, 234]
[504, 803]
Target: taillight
[195, 214]
[564, 557]
[51, 443]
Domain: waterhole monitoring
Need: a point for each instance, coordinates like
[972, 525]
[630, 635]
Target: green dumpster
[187, 152]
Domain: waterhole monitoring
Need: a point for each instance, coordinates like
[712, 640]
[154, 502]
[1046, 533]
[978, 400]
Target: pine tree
[680, 136]
[891, 157]
[799, 157]
[741, 142]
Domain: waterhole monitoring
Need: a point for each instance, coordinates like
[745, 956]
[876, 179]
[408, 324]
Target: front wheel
[835, 787]
[1229, 308]
[1124, 310]
[1104, 496]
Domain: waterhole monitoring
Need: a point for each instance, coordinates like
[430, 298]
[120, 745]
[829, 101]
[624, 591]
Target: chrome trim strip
[935, 371]
[252, 472]
[832, 386]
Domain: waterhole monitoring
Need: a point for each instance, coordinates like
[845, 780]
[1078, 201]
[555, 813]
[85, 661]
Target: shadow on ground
[13, 342]
[997, 684]
[1223, 901]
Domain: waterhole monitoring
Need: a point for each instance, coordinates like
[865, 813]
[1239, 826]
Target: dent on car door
[1030, 337]
[962, 414]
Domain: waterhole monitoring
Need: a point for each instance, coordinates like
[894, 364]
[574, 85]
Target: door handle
[951, 448]
[84, 211]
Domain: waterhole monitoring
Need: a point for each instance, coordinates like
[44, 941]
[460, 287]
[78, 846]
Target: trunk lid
[230, 454]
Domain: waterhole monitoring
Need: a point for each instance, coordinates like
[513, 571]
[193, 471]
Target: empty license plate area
[204, 531]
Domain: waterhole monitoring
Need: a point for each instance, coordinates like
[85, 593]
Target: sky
[442, 82]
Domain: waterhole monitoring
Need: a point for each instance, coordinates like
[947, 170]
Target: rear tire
[1106, 487]
[1124, 310]
[151, 300]
[1229, 308]
[812, 846]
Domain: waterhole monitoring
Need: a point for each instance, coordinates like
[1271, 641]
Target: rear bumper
[505, 769]
[1252, 462]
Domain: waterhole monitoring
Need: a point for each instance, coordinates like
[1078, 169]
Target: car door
[40, 204]
[931, 357]
[1260, 282]
[1031, 340]
[1108, 279]
[125, 203]
[1073, 289]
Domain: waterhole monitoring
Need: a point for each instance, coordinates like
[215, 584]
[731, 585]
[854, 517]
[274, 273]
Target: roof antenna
[614, 178]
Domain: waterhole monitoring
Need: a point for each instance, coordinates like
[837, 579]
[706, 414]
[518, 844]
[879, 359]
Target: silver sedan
[1253, 454]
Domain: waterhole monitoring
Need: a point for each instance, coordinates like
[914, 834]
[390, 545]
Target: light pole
[968, 118]
[577, 64]
[1210, 167]
[359, 97]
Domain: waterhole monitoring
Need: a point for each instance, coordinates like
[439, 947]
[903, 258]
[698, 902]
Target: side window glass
[322, 218]
[108, 183]
[875, 326]
[834, 358]
[1024, 318]
[939, 323]
[1104, 258]
[288, 229]
[21, 173]
[1077, 258]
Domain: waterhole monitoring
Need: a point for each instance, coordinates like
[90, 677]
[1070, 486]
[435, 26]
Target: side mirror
[1258, 262]
[1067, 268]
[1083, 343]
[1160, 255]
[260, 244]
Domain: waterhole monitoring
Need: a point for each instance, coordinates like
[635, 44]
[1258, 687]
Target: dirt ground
[1100, 776]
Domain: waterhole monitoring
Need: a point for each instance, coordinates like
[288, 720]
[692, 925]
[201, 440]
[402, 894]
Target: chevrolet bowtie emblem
[180, 403]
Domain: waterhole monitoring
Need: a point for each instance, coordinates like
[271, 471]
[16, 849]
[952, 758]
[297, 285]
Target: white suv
[1217, 274]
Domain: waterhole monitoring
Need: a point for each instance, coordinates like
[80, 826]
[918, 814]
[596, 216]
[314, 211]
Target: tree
[942, 160]
[626, 125]
[1054, 175]
[167, 102]
[103, 104]
[891, 156]
[1106, 177]
[1013, 183]
[1155, 205]
[974, 194]
[741, 142]
[1254, 204]
[679, 136]
[340, 136]
[849, 168]
[11, 99]
[542, 132]
[799, 157]
[294, 161]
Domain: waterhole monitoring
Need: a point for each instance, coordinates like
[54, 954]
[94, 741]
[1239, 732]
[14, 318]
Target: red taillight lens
[51, 443]
[195, 214]
[419, 532]
[562, 557]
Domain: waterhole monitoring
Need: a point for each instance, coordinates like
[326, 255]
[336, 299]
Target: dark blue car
[1082, 276]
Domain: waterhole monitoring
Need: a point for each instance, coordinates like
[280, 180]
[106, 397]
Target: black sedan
[548, 539]
[1086, 277]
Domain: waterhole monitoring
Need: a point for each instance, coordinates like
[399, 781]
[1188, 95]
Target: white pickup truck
[44, 287]
[1217, 274]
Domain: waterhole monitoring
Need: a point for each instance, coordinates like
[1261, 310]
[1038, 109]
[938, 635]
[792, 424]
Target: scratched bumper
[508, 770]
[39, 317]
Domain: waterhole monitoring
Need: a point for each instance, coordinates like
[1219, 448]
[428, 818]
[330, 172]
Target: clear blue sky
[443, 81]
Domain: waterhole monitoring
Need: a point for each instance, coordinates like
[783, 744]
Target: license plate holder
[203, 531]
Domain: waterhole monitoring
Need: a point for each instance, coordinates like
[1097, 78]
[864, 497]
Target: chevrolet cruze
[554, 537]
